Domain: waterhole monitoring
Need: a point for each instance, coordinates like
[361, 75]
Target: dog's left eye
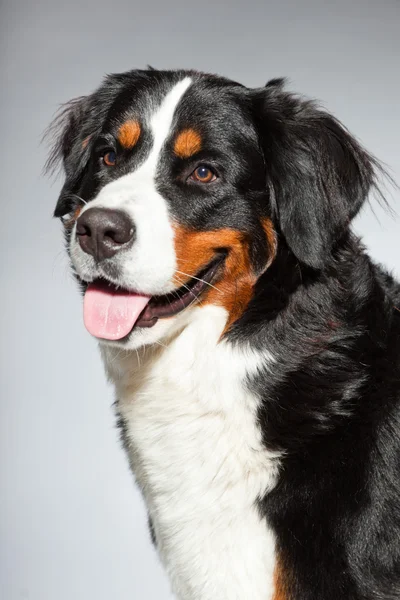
[203, 174]
[110, 158]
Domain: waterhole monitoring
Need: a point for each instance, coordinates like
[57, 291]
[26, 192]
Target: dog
[253, 345]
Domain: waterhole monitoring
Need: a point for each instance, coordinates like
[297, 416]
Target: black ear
[318, 174]
[69, 146]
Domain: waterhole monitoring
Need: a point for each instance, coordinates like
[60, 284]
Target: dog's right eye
[203, 174]
[110, 158]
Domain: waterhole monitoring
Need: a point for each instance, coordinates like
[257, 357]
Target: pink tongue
[111, 314]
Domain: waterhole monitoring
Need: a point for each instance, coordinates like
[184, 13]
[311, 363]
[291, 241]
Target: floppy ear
[69, 147]
[318, 174]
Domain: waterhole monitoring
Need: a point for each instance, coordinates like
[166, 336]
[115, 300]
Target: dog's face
[180, 187]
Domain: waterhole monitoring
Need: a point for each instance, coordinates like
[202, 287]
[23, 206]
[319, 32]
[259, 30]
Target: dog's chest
[196, 453]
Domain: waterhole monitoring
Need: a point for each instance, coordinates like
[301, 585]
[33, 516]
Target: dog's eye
[110, 158]
[203, 174]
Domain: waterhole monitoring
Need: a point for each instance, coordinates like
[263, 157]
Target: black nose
[103, 232]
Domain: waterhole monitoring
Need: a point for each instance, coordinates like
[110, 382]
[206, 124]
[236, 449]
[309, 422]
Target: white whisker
[198, 279]
[76, 197]
[195, 297]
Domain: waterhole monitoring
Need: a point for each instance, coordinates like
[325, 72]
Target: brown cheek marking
[86, 141]
[271, 237]
[187, 143]
[129, 134]
[235, 288]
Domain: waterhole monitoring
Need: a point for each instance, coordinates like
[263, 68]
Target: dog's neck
[190, 429]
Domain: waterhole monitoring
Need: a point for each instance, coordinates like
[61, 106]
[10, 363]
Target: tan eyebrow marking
[129, 134]
[187, 143]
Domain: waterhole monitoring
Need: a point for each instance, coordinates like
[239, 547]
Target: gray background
[72, 525]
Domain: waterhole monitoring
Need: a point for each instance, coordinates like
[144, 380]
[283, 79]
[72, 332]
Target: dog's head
[180, 187]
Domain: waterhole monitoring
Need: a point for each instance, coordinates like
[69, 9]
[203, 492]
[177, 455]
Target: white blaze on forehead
[161, 122]
[148, 267]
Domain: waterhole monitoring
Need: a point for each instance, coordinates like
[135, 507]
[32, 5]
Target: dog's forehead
[195, 101]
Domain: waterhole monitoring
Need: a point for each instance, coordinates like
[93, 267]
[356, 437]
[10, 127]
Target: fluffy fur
[262, 422]
[198, 457]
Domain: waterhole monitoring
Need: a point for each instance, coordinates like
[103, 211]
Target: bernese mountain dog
[253, 345]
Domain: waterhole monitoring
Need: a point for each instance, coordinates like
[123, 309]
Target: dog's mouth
[111, 312]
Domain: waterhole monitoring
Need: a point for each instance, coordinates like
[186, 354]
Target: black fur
[331, 403]
[319, 174]
[331, 318]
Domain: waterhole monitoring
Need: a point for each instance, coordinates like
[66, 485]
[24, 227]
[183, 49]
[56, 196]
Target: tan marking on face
[86, 141]
[77, 212]
[270, 232]
[129, 134]
[187, 143]
[235, 288]
[69, 224]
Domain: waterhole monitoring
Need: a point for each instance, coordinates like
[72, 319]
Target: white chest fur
[197, 455]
